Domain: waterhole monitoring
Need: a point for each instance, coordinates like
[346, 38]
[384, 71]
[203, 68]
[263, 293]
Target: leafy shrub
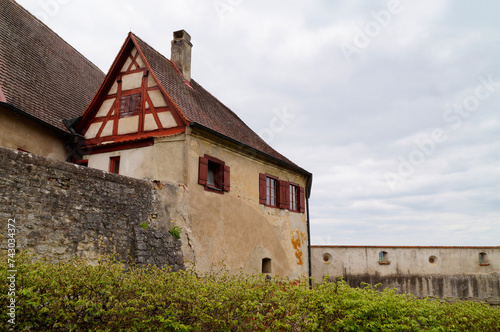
[76, 296]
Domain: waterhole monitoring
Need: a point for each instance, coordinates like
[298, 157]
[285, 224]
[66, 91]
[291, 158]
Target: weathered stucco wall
[64, 211]
[233, 226]
[20, 132]
[444, 272]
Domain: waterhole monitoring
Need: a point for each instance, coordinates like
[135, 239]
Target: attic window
[214, 174]
[130, 105]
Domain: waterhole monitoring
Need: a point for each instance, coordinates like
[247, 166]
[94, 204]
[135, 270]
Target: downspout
[309, 185]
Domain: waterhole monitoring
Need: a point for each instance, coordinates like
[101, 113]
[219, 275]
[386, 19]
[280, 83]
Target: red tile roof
[40, 73]
[199, 106]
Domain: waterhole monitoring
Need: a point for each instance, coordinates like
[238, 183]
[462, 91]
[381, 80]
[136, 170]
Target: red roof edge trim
[91, 109]
[185, 120]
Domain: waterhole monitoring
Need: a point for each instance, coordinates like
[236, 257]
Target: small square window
[114, 165]
[213, 174]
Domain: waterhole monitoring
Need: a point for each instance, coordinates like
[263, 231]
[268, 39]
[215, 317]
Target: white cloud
[354, 120]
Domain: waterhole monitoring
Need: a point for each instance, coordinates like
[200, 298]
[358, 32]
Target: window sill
[484, 264]
[384, 263]
[213, 189]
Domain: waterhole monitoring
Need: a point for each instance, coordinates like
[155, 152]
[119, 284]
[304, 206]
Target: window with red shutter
[302, 201]
[294, 197]
[203, 171]
[281, 194]
[271, 191]
[114, 165]
[262, 188]
[284, 194]
[213, 174]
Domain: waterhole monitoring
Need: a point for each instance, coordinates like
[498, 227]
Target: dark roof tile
[40, 73]
[199, 106]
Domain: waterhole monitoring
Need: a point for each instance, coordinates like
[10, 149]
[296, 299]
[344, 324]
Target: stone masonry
[63, 211]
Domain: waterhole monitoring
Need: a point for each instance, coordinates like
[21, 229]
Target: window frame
[114, 165]
[130, 104]
[221, 175]
[296, 196]
[282, 190]
[274, 179]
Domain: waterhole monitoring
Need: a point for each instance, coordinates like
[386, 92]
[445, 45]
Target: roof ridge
[195, 85]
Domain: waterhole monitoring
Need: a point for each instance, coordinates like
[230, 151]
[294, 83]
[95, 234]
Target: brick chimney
[181, 53]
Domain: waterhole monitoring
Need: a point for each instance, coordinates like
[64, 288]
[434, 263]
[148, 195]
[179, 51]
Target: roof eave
[263, 154]
[34, 118]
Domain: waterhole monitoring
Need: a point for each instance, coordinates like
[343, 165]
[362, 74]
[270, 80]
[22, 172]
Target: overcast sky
[394, 106]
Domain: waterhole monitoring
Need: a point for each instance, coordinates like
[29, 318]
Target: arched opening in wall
[483, 259]
[266, 265]
[383, 258]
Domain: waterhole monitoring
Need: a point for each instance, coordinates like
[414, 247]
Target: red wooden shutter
[203, 171]
[262, 188]
[114, 165]
[226, 185]
[302, 202]
[284, 197]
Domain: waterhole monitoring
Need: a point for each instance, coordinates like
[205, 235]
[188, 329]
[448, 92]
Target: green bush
[76, 296]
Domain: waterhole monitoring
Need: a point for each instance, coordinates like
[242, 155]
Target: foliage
[176, 232]
[77, 296]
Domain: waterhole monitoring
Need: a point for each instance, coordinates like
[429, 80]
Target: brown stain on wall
[297, 239]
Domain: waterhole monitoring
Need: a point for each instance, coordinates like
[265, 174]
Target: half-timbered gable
[131, 104]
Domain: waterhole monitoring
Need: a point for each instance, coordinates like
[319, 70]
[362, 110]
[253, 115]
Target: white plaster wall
[136, 163]
[364, 260]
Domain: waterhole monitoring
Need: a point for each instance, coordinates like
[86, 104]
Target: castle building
[236, 199]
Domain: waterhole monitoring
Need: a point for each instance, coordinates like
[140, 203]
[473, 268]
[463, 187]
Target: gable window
[130, 105]
[214, 174]
[114, 165]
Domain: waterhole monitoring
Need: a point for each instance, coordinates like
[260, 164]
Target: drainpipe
[308, 194]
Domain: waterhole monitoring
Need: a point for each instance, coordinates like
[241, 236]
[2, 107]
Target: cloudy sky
[394, 106]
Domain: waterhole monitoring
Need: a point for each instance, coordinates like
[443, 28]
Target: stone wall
[442, 272]
[64, 211]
